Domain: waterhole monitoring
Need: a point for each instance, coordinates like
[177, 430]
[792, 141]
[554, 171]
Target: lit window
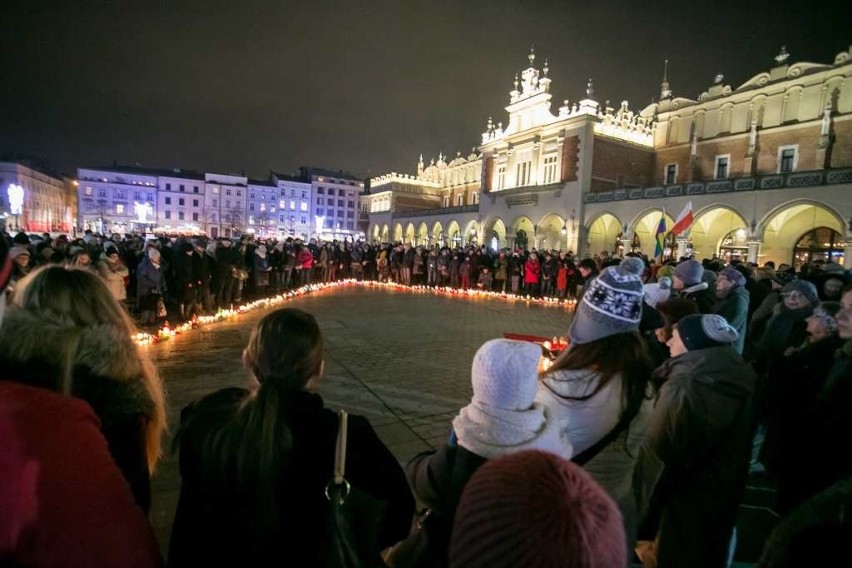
[292, 205]
[282, 204]
[119, 209]
[303, 206]
[550, 169]
[88, 191]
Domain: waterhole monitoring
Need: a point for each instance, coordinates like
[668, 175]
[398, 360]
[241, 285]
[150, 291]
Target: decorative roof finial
[782, 55]
[531, 55]
[516, 81]
[590, 89]
[546, 68]
[718, 78]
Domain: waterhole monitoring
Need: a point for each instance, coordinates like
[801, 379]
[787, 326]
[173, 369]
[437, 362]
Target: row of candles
[168, 331]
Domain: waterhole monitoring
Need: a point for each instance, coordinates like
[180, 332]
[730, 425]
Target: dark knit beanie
[533, 508]
[734, 276]
[690, 272]
[803, 287]
[703, 331]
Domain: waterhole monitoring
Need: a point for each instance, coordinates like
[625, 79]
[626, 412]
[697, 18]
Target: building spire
[665, 90]
[590, 90]
[531, 55]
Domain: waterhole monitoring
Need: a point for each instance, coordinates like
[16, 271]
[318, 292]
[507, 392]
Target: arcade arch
[385, 234]
[719, 226]
[453, 234]
[397, 233]
[437, 234]
[786, 229]
[410, 236]
[522, 233]
[470, 235]
[552, 233]
[603, 232]
[645, 233]
[423, 235]
[495, 234]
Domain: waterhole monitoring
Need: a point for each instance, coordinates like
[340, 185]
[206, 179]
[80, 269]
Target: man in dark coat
[696, 457]
[689, 282]
[732, 300]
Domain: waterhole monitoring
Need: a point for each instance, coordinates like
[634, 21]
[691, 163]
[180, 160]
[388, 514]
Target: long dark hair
[252, 451]
[622, 353]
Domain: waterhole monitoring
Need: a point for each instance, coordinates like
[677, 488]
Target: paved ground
[402, 360]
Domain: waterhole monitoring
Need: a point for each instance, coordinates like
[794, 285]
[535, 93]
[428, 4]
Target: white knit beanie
[504, 374]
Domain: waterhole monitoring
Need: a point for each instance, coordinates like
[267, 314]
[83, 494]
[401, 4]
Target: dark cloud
[358, 85]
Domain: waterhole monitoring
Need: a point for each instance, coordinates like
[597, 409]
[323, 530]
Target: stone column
[754, 250]
[847, 254]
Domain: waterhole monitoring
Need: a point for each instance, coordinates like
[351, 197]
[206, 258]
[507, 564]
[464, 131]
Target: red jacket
[64, 502]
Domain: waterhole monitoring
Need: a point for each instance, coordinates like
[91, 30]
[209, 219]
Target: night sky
[365, 86]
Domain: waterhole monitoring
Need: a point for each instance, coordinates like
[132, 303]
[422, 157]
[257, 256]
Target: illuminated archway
[397, 233]
[522, 232]
[603, 231]
[714, 225]
[385, 237]
[453, 234]
[734, 246]
[376, 233]
[423, 235]
[645, 233]
[822, 243]
[410, 235]
[783, 228]
[471, 233]
[552, 233]
[495, 233]
[437, 234]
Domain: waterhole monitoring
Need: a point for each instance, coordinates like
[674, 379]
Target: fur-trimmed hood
[101, 351]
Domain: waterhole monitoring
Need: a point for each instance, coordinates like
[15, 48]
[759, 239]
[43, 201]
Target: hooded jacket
[694, 463]
[108, 375]
[702, 295]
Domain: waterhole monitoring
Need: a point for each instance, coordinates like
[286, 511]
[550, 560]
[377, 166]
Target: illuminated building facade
[33, 200]
[767, 167]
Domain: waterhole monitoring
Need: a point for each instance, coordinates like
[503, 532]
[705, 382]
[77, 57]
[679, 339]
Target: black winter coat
[697, 455]
[208, 530]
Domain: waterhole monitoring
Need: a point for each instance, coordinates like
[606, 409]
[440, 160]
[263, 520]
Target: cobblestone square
[401, 359]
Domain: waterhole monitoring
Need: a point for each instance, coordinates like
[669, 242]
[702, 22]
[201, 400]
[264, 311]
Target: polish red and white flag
[684, 220]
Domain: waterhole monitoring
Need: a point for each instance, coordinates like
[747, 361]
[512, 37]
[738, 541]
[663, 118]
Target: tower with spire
[665, 89]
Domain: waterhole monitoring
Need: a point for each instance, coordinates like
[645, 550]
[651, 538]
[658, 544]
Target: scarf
[490, 432]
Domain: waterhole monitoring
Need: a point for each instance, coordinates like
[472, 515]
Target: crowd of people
[634, 443]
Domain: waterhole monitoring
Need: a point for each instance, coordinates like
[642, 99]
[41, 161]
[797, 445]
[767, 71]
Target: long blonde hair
[79, 298]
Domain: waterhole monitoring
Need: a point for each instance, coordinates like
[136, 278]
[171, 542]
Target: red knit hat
[535, 509]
